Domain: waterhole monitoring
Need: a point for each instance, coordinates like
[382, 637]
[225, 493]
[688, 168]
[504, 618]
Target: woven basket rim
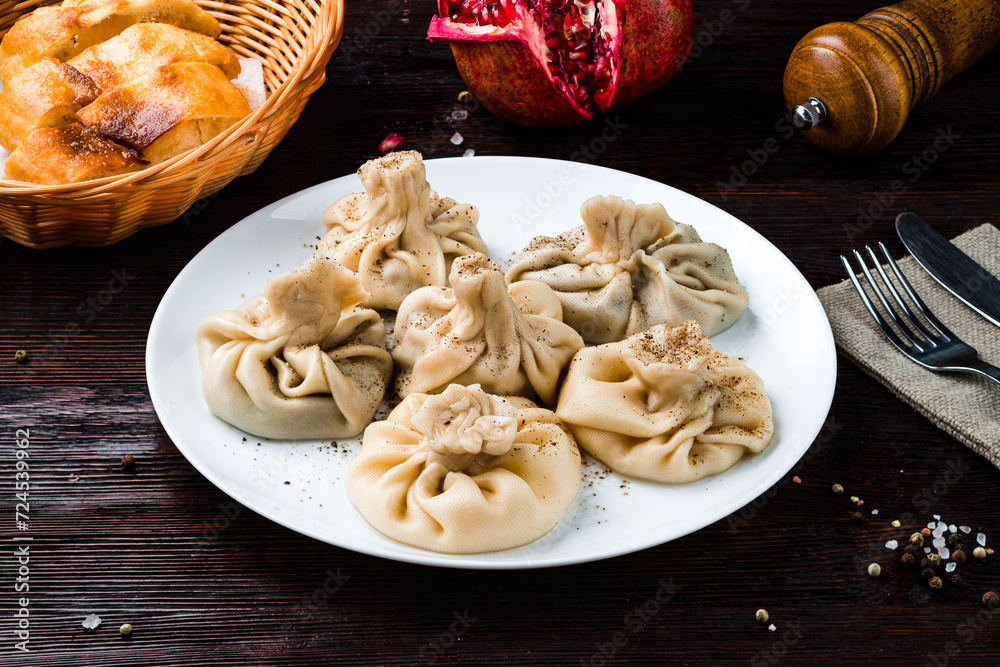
[271, 105]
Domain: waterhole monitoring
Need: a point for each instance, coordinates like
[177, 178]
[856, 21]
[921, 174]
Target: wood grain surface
[204, 581]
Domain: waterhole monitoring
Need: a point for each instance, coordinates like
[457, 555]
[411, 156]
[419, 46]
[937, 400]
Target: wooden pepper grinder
[850, 86]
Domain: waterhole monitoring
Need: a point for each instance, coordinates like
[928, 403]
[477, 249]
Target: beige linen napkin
[964, 405]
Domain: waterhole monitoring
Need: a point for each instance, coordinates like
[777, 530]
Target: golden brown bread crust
[174, 108]
[47, 94]
[142, 47]
[68, 154]
[64, 31]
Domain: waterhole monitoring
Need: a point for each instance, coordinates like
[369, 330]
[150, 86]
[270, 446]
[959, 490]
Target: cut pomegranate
[392, 141]
[543, 63]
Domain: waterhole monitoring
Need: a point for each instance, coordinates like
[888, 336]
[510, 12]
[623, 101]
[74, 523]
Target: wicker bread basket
[293, 38]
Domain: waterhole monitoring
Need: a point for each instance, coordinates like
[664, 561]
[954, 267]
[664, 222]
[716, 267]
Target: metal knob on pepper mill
[851, 86]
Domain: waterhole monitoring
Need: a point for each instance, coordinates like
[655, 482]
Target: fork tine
[917, 301]
[911, 319]
[913, 338]
[905, 348]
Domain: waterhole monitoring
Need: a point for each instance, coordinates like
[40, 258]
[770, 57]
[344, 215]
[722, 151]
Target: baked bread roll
[300, 361]
[664, 405]
[68, 154]
[63, 31]
[465, 472]
[143, 47]
[398, 235]
[47, 94]
[631, 267]
[168, 111]
[512, 341]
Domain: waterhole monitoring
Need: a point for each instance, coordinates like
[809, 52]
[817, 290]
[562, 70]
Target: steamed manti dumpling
[465, 472]
[631, 267]
[664, 405]
[511, 340]
[398, 235]
[300, 361]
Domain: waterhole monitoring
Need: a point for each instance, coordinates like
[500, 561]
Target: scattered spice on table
[21, 357]
[935, 583]
[838, 489]
[979, 553]
[91, 622]
[128, 462]
[762, 616]
[874, 570]
[464, 96]
[125, 629]
[797, 479]
[991, 600]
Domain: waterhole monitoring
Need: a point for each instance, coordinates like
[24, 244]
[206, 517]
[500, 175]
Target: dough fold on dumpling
[664, 405]
[631, 267]
[300, 361]
[511, 340]
[465, 472]
[398, 235]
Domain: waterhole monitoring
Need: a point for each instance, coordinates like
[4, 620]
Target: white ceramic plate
[784, 336]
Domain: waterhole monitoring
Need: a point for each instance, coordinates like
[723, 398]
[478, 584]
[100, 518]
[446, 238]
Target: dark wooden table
[139, 546]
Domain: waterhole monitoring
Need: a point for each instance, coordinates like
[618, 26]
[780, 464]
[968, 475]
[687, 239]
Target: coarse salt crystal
[939, 542]
[981, 539]
[874, 511]
[460, 114]
[468, 153]
[950, 567]
[927, 550]
[932, 524]
[944, 552]
[939, 531]
[937, 516]
[952, 528]
[965, 529]
[891, 544]
[457, 138]
[91, 622]
[772, 627]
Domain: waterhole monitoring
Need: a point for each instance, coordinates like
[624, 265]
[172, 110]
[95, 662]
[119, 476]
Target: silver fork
[939, 350]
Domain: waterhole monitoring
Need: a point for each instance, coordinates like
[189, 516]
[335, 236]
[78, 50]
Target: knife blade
[957, 272]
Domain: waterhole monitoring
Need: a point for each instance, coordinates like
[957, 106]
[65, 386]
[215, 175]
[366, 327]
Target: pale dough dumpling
[664, 405]
[465, 472]
[300, 361]
[631, 267]
[398, 235]
[511, 340]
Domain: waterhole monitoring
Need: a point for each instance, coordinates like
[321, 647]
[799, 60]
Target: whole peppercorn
[874, 570]
[955, 578]
[954, 540]
[926, 532]
[935, 583]
[857, 517]
[21, 357]
[125, 629]
[908, 560]
[925, 563]
[913, 550]
[958, 557]
[935, 559]
[979, 553]
[762, 616]
[991, 600]
[838, 489]
[128, 461]
[926, 574]
[917, 540]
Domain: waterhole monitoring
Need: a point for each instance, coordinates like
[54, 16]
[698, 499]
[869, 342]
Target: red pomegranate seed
[392, 141]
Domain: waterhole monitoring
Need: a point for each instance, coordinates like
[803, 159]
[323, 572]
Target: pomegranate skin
[649, 39]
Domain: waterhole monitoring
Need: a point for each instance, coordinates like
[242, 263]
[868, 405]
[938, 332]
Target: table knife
[957, 272]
